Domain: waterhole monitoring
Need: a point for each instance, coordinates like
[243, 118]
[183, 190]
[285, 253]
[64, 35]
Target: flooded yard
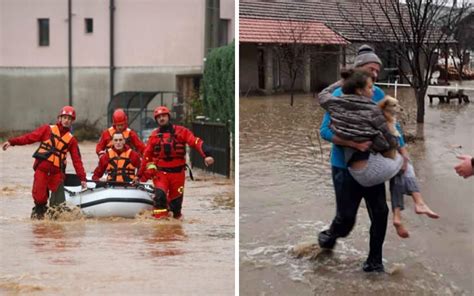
[115, 256]
[287, 197]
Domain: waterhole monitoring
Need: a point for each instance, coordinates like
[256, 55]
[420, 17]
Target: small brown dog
[390, 108]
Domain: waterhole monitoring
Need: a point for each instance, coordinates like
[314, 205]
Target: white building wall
[155, 40]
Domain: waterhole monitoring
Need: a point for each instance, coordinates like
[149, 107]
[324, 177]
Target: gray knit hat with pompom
[366, 55]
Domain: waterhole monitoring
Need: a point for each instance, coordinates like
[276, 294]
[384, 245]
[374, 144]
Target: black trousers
[349, 194]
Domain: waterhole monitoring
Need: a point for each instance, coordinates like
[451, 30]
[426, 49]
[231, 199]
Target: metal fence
[217, 136]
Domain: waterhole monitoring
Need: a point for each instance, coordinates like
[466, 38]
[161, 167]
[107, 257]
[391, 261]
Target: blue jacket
[337, 152]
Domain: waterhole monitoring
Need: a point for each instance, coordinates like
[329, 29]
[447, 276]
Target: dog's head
[390, 105]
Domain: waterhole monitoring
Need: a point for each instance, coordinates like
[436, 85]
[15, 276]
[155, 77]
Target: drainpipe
[215, 23]
[207, 27]
[112, 63]
[211, 25]
[69, 15]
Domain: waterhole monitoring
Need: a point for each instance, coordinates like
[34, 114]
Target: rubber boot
[175, 207]
[161, 205]
[38, 212]
[160, 213]
[326, 240]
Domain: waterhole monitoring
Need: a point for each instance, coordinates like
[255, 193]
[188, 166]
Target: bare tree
[464, 35]
[292, 49]
[414, 31]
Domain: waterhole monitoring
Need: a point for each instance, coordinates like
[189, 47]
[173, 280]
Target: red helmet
[161, 110]
[119, 117]
[68, 110]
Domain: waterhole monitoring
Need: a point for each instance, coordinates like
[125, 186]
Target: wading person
[164, 161]
[50, 157]
[355, 117]
[120, 162]
[119, 124]
[349, 192]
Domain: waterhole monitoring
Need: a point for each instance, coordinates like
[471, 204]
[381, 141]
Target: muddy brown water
[114, 256]
[287, 197]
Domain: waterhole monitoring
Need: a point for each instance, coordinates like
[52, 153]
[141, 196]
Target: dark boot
[372, 267]
[326, 239]
[175, 207]
[38, 212]
[161, 205]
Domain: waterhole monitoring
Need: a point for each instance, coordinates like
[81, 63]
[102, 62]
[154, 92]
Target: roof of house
[284, 31]
[359, 21]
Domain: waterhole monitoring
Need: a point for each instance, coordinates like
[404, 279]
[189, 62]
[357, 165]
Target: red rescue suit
[164, 159]
[119, 164]
[50, 163]
[130, 136]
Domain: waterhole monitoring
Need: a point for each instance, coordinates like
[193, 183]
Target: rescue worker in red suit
[50, 164]
[164, 162]
[120, 162]
[119, 124]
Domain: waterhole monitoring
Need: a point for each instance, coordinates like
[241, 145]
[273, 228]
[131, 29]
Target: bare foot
[401, 231]
[424, 209]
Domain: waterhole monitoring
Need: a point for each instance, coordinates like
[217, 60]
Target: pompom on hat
[365, 55]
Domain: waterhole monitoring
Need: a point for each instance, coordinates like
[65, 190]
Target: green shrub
[218, 85]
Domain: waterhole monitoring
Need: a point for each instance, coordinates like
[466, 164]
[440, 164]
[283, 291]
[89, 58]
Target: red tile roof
[356, 21]
[281, 31]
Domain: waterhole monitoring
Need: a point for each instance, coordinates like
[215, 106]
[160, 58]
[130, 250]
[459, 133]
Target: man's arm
[76, 159]
[101, 167]
[143, 172]
[37, 135]
[104, 139]
[135, 159]
[136, 142]
[197, 144]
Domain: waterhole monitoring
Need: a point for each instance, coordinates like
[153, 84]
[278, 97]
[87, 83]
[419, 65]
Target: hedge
[218, 85]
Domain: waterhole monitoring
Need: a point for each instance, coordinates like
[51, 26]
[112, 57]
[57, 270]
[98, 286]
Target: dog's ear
[393, 100]
[383, 103]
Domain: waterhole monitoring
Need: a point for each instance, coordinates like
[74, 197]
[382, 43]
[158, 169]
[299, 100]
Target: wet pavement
[287, 197]
[115, 256]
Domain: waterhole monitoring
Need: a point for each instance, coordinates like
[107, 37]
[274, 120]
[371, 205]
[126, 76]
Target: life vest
[125, 133]
[168, 146]
[120, 168]
[55, 148]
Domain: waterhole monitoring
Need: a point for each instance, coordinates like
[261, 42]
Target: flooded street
[287, 197]
[116, 256]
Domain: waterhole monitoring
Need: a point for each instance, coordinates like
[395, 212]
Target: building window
[89, 25]
[43, 29]
[223, 32]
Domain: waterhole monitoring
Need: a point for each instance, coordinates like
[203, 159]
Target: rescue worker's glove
[150, 171]
[135, 181]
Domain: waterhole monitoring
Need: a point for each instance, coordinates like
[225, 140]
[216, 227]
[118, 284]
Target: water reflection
[54, 237]
[57, 241]
[163, 239]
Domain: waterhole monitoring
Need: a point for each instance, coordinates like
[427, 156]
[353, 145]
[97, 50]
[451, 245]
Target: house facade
[52, 54]
[264, 64]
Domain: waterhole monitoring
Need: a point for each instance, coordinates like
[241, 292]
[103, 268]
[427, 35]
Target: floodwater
[287, 197]
[115, 256]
